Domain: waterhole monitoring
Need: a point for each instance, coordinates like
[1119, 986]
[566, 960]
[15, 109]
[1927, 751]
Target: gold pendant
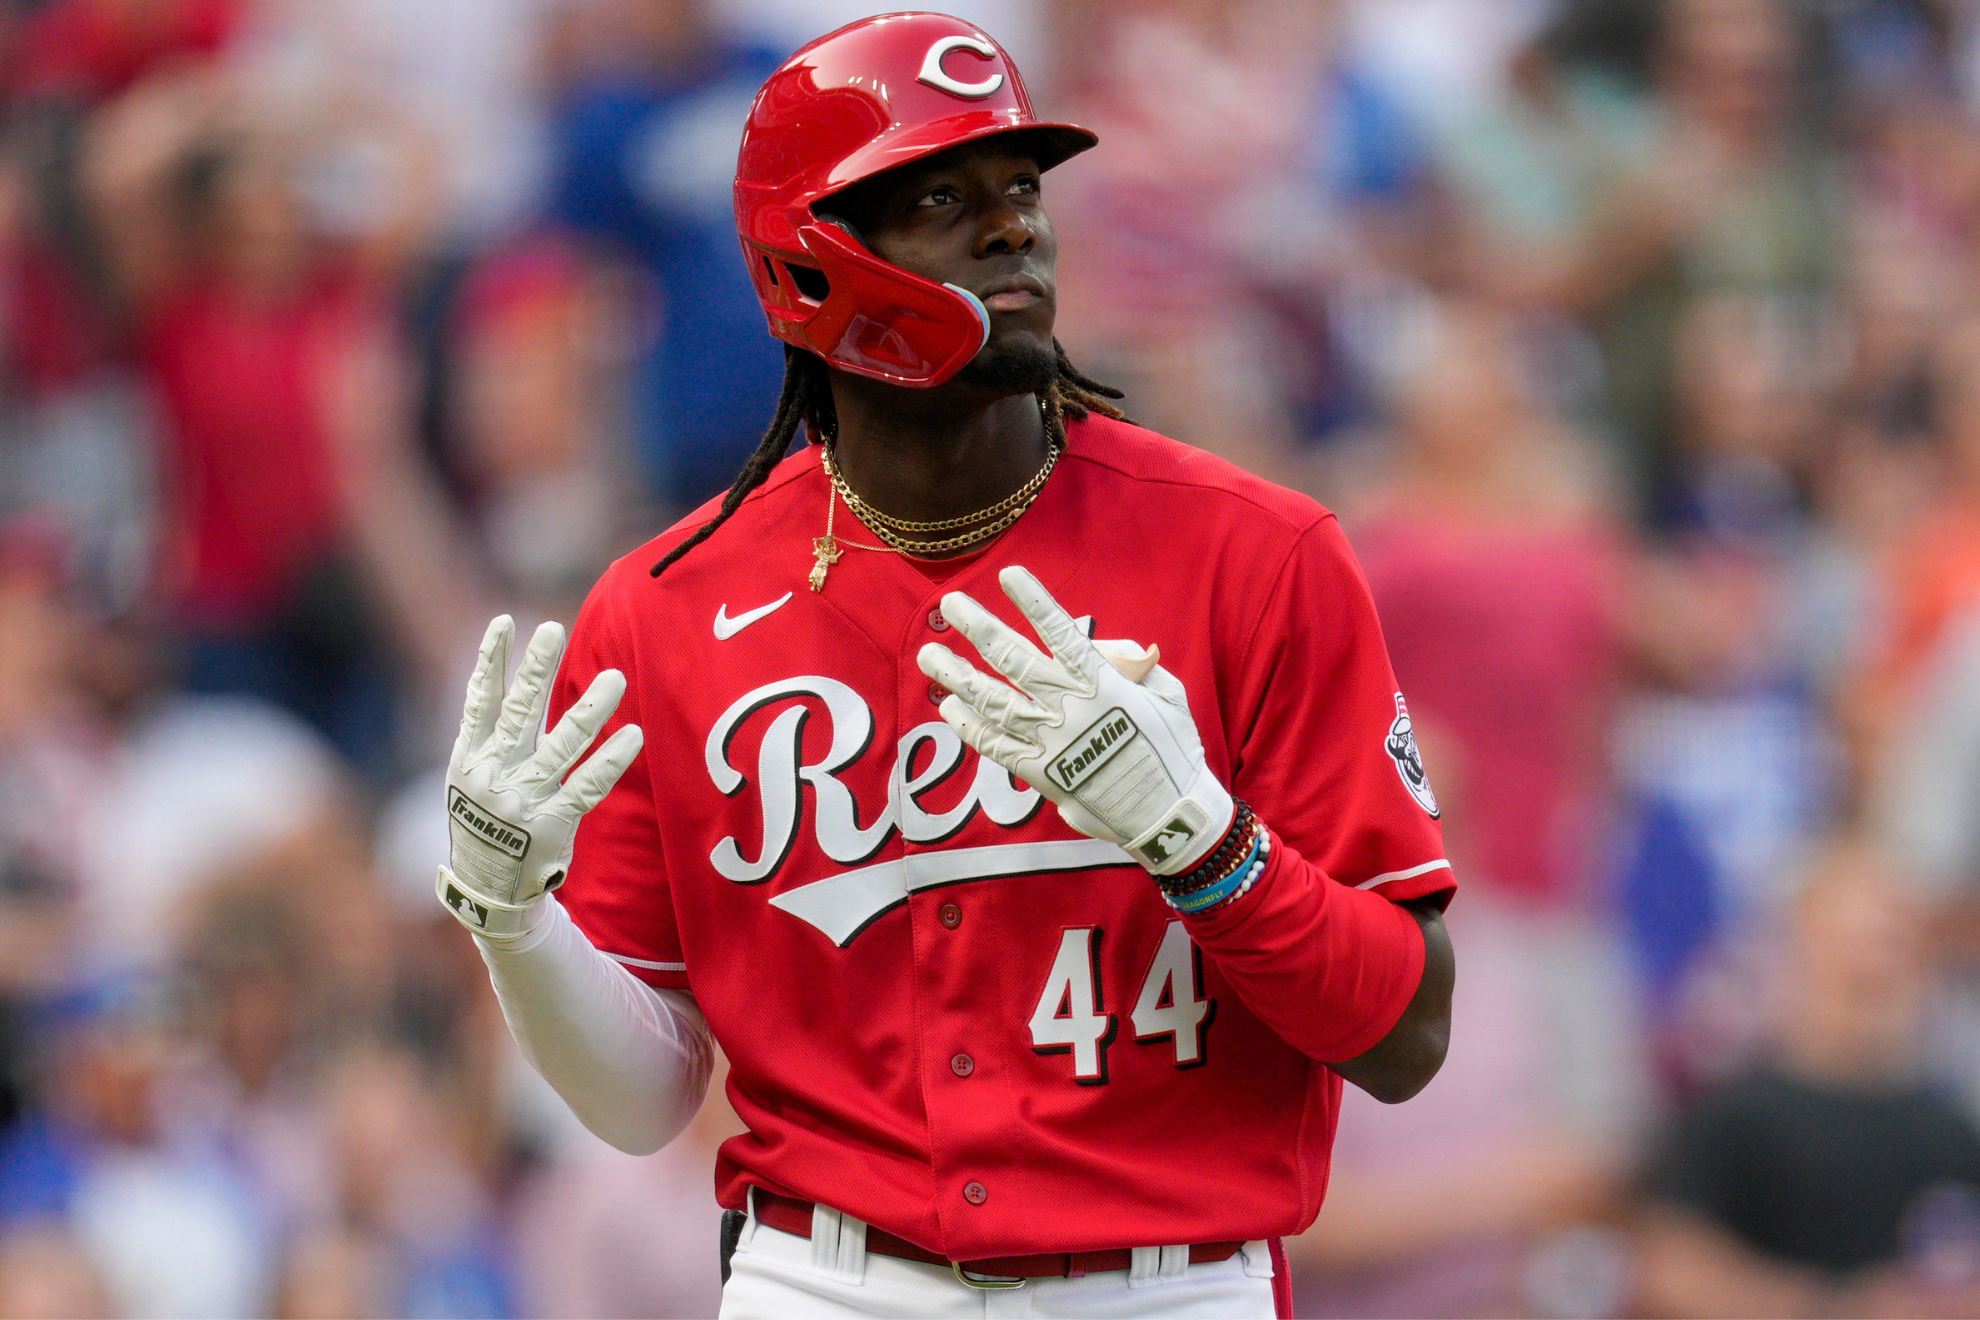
[826, 547]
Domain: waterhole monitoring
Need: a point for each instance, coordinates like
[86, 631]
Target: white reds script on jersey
[947, 1013]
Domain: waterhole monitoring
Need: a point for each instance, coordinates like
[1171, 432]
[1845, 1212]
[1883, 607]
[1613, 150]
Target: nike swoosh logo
[726, 627]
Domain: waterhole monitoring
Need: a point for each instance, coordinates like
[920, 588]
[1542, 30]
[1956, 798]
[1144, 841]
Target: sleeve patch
[1401, 746]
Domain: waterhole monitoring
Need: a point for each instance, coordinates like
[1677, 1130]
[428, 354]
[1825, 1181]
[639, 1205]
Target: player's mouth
[1015, 294]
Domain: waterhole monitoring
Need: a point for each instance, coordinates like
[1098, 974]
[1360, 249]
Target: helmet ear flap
[809, 281]
[852, 230]
[884, 322]
[791, 292]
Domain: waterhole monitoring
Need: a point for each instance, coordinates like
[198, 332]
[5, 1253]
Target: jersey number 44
[1072, 1017]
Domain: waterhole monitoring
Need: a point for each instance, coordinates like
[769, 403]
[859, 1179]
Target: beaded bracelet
[1257, 869]
[1228, 873]
[1232, 887]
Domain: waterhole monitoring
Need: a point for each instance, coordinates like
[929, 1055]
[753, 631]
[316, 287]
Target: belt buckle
[986, 1282]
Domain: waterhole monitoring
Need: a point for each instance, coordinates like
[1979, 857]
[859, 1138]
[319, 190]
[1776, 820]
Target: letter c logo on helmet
[931, 68]
[867, 98]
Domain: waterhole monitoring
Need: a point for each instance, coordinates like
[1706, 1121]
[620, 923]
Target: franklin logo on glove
[1096, 746]
[503, 835]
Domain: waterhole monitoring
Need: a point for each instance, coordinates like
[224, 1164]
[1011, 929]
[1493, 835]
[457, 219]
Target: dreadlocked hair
[806, 400]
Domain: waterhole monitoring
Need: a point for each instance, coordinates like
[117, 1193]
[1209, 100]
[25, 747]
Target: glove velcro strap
[1188, 831]
[489, 918]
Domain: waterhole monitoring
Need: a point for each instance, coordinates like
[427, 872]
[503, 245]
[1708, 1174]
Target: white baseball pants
[780, 1276]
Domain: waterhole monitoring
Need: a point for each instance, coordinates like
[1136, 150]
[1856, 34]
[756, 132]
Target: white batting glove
[510, 813]
[1119, 758]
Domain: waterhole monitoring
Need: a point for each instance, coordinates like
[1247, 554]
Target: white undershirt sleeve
[631, 1061]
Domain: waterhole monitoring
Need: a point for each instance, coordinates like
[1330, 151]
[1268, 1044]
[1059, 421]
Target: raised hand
[1120, 759]
[511, 813]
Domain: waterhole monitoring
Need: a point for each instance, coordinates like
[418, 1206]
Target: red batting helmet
[875, 94]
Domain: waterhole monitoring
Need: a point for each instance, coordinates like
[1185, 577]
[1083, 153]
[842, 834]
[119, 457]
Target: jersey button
[975, 1193]
[950, 914]
[962, 1065]
[935, 694]
[936, 621]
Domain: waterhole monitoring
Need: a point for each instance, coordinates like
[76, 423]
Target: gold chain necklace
[1002, 514]
[877, 520]
[826, 549]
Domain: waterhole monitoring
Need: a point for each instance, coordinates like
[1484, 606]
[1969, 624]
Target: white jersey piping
[649, 966]
[1412, 872]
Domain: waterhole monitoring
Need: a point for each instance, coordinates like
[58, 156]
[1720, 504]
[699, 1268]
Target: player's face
[972, 217]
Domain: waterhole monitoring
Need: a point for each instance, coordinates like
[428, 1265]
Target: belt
[788, 1215]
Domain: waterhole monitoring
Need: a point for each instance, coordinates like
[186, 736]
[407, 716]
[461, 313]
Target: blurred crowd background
[1636, 343]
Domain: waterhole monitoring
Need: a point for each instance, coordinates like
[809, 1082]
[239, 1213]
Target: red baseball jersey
[946, 1012]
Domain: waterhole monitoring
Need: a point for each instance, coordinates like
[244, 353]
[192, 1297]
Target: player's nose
[1004, 229]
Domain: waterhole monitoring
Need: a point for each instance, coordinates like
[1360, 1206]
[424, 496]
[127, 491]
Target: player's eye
[1025, 185]
[942, 196]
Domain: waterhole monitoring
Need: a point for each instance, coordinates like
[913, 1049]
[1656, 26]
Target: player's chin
[1019, 359]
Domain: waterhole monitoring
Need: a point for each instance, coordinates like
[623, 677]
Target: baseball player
[1026, 805]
